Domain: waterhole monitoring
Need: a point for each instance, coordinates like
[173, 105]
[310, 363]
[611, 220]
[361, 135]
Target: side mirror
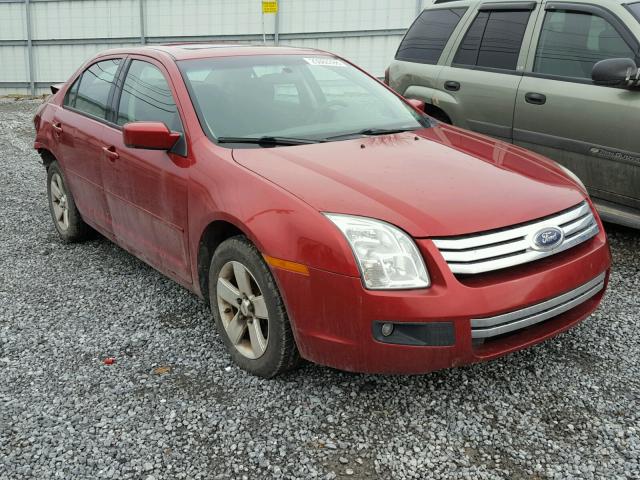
[615, 72]
[149, 135]
[417, 104]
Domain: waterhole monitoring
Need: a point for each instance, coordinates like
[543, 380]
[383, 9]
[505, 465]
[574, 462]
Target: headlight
[573, 176]
[388, 258]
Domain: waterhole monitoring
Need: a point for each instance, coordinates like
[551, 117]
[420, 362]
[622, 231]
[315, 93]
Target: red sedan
[319, 213]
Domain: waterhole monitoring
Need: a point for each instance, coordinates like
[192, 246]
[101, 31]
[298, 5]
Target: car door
[146, 190]
[591, 129]
[485, 69]
[78, 128]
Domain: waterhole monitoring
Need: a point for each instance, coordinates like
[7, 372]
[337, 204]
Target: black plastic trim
[487, 69]
[427, 334]
[512, 6]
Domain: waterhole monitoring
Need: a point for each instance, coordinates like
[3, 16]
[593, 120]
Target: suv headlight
[388, 258]
[573, 176]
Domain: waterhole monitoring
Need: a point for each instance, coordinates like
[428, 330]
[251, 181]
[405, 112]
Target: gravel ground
[173, 406]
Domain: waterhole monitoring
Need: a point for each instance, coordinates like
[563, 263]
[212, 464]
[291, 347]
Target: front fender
[277, 222]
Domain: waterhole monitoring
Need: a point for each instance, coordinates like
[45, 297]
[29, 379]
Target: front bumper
[334, 317]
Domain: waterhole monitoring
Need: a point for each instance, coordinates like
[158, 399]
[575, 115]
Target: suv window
[146, 96]
[94, 87]
[494, 40]
[427, 37]
[571, 43]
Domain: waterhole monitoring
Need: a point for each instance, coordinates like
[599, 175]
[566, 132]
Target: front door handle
[111, 153]
[535, 98]
[57, 127]
[452, 86]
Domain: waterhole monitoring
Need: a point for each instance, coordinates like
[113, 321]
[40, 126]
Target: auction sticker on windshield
[324, 61]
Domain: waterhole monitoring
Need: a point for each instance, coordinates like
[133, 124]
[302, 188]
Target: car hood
[438, 181]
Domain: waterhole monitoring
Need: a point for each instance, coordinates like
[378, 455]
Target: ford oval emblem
[547, 238]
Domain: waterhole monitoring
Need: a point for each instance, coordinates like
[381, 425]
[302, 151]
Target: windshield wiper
[373, 132]
[267, 141]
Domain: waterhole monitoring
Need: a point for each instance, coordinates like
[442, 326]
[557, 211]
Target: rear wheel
[248, 310]
[62, 206]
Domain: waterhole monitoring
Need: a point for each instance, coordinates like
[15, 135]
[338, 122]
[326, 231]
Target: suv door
[147, 189]
[486, 67]
[420, 56]
[78, 127]
[560, 113]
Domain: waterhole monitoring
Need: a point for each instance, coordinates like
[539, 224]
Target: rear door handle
[111, 153]
[452, 86]
[535, 98]
[57, 127]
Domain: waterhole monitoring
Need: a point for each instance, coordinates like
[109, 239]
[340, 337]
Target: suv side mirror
[149, 135]
[615, 72]
[417, 104]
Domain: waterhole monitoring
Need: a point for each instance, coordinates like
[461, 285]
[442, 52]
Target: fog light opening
[387, 329]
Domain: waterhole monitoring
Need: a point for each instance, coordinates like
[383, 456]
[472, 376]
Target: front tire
[64, 213]
[248, 310]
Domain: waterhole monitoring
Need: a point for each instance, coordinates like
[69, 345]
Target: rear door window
[93, 90]
[494, 40]
[427, 37]
[571, 43]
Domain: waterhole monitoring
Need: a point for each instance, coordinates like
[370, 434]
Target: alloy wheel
[243, 310]
[59, 202]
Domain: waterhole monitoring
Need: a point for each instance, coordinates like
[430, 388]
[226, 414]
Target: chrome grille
[485, 252]
[508, 322]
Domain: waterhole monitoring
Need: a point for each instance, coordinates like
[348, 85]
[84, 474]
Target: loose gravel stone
[173, 406]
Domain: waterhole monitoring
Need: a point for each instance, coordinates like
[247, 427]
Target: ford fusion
[321, 215]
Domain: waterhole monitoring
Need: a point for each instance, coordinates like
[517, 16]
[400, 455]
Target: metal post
[143, 38]
[276, 28]
[32, 83]
[418, 7]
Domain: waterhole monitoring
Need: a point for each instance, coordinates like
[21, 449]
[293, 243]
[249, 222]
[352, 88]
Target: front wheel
[248, 310]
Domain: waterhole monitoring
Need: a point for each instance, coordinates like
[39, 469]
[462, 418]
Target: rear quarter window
[634, 8]
[427, 37]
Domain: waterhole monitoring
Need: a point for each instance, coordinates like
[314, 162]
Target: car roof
[461, 3]
[187, 51]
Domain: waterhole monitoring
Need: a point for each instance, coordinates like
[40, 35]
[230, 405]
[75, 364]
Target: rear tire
[64, 213]
[248, 310]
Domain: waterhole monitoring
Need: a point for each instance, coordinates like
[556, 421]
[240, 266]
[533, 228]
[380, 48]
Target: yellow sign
[269, 6]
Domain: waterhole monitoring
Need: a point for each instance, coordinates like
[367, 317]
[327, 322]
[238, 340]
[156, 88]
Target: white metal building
[44, 41]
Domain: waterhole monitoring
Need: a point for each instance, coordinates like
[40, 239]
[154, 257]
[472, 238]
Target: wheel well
[437, 113]
[47, 157]
[215, 233]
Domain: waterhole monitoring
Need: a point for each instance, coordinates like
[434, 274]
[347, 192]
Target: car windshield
[292, 97]
[635, 9]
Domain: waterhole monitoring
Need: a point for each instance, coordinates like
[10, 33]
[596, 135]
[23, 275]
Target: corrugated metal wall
[64, 33]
